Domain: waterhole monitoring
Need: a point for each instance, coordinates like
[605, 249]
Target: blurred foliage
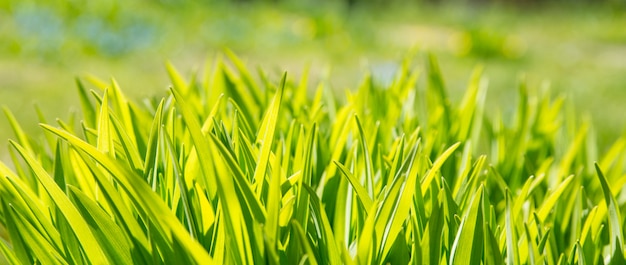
[578, 46]
[96, 29]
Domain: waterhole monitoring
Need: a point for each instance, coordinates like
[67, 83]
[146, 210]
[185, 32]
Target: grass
[576, 47]
[234, 168]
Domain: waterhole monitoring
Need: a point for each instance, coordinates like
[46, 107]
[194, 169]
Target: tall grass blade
[80, 228]
[615, 223]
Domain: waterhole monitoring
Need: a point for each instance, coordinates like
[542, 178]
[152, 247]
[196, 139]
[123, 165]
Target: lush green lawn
[580, 51]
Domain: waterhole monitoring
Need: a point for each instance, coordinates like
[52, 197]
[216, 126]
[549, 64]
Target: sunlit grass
[231, 167]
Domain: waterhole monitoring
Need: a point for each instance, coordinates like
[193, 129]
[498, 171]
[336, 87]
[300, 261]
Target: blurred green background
[578, 47]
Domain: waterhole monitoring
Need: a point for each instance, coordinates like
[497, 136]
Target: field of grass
[421, 135]
[224, 169]
[579, 51]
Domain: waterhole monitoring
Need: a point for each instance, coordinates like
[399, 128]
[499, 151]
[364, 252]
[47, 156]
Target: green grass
[230, 167]
[576, 47]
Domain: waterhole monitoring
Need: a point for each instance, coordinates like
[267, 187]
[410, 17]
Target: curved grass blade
[254, 206]
[142, 196]
[177, 80]
[113, 241]
[394, 213]
[151, 155]
[130, 148]
[182, 186]
[274, 197]
[437, 166]
[304, 241]
[369, 171]
[16, 191]
[8, 254]
[246, 77]
[111, 196]
[18, 243]
[512, 251]
[80, 228]
[266, 135]
[22, 137]
[468, 245]
[122, 109]
[327, 239]
[362, 194]
[549, 203]
[226, 190]
[33, 241]
[615, 221]
[89, 113]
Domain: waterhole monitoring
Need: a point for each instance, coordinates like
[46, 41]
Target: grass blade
[615, 221]
[141, 194]
[109, 235]
[468, 245]
[266, 135]
[362, 194]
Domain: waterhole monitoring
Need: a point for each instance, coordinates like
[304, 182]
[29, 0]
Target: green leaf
[18, 242]
[129, 147]
[274, 197]
[22, 137]
[549, 203]
[266, 135]
[369, 172]
[492, 253]
[33, 241]
[326, 238]
[80, 228]
[394, 213]
[114, 242]
[28, 203]
[182, 187]
[615, 221]
[362, 194]
[110, 195]
[512, 251]
[250, 200]
[122, 110]
[177, 80]
[141, 195]
[437, 166]
[226, 190]
[471, 107]
[89, 113]
[468, 245]
[247, 77]
[151, 155]
[301, 235]
[105, 139]
[8, 254]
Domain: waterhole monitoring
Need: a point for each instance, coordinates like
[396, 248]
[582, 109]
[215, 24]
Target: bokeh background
[576, 47]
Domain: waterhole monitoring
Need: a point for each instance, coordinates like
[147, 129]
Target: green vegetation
[577, 48]
[237, 168]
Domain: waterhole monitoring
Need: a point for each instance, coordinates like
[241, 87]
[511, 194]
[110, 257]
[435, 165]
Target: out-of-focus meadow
[578, 48]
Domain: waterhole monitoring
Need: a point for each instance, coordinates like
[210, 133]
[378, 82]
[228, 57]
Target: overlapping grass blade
[40, 249]
[141, 195]
[469, 242]
[615, 221]
[266, 135]
[113, 241]
[80, 228]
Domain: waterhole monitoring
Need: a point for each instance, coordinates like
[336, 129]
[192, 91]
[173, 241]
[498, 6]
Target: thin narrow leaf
[78, 224]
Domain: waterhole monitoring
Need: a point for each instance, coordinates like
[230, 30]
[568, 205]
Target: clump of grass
[227, 169]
